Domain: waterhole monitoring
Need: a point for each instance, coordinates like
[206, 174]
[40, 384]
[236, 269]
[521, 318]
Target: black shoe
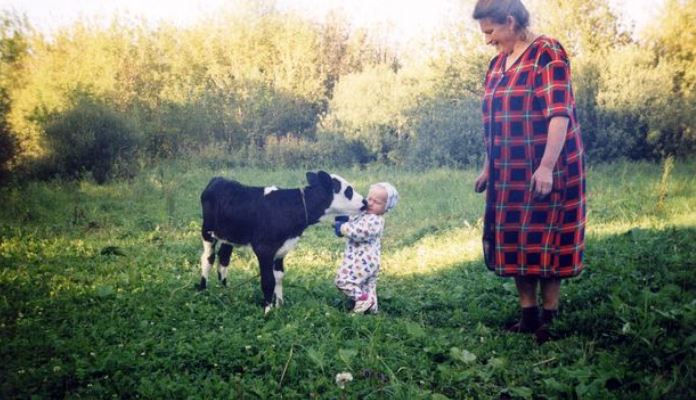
[529, 323]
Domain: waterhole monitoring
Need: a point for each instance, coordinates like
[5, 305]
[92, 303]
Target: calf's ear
[312, 179]
[326, 181]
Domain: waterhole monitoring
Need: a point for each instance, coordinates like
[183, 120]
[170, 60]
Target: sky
[404, 19]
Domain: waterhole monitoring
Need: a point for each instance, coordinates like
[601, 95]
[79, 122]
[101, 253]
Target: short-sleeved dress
[524, 236]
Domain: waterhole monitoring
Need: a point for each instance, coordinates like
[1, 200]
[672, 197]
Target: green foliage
[97, 297]
[258, 77]
[370, 106]
[13, 49]
[327, 150]
[8, 144]
[447, 132]
[586, 28]
[671, 38]
[445, 124]
[637, 113]
[90, 137]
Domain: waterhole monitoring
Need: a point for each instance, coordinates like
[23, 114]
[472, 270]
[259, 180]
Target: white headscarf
[392, 194]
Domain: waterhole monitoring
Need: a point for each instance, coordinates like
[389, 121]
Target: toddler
[357, 275]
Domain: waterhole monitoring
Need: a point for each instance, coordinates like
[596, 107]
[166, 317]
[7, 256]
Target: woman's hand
[542, 182]
[481, 182]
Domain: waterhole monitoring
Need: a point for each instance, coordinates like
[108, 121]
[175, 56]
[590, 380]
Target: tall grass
[97, 297]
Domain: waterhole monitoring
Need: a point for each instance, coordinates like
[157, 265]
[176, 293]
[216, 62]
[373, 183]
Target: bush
[328, 150]
[446, 133]
[8, 149]
[369, 107]
[90, 137]
[639, 114]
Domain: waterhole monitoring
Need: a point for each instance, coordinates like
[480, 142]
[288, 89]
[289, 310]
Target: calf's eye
[349, 193]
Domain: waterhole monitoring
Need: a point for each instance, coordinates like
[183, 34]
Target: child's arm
[338, 222]
[364, 229]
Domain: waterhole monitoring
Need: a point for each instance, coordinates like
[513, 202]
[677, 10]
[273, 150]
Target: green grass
[97, 298]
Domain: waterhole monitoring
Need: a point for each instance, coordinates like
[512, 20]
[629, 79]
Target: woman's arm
[482, 180]
[542, 180]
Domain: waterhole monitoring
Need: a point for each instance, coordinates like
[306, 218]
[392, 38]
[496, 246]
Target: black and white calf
[269, 219]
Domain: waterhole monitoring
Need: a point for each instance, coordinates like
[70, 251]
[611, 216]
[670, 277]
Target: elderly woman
[534, 175]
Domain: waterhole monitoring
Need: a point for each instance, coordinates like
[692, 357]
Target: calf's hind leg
[224, 253]
[207, 260]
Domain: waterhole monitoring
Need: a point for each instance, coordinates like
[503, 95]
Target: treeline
[261, 87]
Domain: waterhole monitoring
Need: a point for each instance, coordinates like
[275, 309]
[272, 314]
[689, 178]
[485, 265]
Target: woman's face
[502, 36]
[377, 200]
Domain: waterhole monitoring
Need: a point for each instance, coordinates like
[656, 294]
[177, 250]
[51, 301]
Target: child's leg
[372, 290]
[348, 282]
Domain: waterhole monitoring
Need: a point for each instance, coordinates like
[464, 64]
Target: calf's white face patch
[346, 200]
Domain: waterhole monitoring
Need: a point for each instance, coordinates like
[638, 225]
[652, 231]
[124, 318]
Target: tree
[13, 49]
[584, 27]
[672, 38]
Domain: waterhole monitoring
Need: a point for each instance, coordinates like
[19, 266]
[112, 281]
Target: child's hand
[339, 220]
[337, 228]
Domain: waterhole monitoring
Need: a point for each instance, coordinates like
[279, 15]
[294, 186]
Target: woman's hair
[499, 10]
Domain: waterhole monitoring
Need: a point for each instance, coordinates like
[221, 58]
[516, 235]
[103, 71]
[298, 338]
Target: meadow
[97, 296]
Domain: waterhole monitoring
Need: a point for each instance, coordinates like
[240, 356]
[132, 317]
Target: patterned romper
[358, 271]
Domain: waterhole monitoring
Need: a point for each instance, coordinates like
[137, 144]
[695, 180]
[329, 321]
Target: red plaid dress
[524, 236]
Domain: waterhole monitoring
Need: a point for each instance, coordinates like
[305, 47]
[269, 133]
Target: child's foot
[375, 305]
[363, 303]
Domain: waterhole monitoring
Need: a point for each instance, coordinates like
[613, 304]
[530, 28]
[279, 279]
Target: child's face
[377, 200]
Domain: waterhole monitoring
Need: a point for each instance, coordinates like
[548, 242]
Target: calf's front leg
[265, 258]
[278, 273]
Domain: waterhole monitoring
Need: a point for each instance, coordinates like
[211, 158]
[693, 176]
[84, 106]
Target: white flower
[343, 378]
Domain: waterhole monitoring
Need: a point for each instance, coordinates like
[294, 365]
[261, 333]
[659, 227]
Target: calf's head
[344, 198]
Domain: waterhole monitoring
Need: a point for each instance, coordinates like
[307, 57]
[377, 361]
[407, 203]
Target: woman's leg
[527, 290]
[550, 292]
